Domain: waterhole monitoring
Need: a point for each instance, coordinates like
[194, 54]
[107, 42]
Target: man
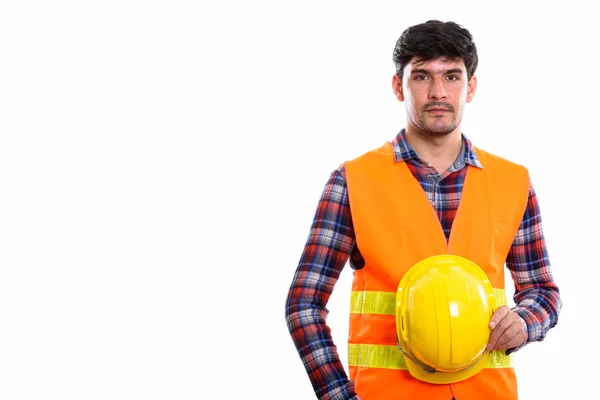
[429, 191]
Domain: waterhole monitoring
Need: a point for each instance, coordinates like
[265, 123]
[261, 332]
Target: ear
[397, 87]
[471, 88]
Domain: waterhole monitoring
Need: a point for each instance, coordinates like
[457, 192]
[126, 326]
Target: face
[435, 94]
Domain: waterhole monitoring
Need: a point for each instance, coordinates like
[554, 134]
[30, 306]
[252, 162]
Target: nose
[437, 89]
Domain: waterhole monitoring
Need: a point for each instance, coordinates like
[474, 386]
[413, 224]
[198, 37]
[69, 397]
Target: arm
[537, 296]
[327, 249]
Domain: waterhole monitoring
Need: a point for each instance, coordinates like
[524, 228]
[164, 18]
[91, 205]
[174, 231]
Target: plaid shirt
[331, 244]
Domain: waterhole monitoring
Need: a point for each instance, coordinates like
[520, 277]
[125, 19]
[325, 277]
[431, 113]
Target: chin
[438, 130]
[440, 133]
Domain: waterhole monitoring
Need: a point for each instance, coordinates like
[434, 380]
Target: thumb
[498, 315]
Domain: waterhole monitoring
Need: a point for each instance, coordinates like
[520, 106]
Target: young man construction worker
[427, 192]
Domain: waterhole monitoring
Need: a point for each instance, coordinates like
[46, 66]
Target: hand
[507, 330]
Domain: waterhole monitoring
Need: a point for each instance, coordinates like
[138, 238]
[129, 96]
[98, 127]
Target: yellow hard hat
[443, 307]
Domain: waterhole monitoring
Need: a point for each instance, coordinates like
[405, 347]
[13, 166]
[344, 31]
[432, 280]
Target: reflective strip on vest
[384, 303]
[390, 357]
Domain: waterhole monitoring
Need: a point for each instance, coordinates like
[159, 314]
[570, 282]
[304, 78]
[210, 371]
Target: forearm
[312, 338]
[306, 316]
[537, 297]
[539, 307]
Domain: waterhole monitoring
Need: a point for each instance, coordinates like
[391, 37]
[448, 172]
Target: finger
[501, 332]
[496, 336]
[512, 337]
[498, 316]
[499, 324]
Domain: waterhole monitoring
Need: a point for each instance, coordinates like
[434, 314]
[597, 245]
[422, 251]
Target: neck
[440, 151]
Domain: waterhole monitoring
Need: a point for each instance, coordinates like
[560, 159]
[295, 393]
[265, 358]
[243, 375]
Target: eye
[453, 77]
[420, 77]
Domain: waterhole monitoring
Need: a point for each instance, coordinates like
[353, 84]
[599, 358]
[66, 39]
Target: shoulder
[381, 153]
[504, 173]
[493, 160]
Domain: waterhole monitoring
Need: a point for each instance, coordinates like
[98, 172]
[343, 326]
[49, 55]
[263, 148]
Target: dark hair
[434, 39]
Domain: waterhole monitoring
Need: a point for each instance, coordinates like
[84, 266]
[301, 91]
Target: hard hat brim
[418, 372]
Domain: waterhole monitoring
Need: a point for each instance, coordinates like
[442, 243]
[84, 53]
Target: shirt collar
[403, 151]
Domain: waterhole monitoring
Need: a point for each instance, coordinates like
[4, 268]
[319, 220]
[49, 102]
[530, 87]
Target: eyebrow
[427, 72]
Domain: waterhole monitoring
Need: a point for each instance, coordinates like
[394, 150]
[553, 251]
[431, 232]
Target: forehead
[437, 65]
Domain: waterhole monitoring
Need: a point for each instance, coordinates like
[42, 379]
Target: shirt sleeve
[328, 247]
[537, 297]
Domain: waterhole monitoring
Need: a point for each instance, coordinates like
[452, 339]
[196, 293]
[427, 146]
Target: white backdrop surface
[160, 165]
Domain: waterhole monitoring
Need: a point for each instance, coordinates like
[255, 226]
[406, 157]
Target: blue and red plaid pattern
[331, 244]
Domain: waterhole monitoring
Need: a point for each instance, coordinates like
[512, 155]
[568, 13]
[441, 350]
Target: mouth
[437, 110]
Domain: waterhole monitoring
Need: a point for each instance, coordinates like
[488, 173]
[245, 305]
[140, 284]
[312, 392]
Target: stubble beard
[435, 129]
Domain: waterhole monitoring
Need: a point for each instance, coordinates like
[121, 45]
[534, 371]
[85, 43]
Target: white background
[160, 164]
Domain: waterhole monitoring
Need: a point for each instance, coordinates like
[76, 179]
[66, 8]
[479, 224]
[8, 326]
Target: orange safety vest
[396, 226]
